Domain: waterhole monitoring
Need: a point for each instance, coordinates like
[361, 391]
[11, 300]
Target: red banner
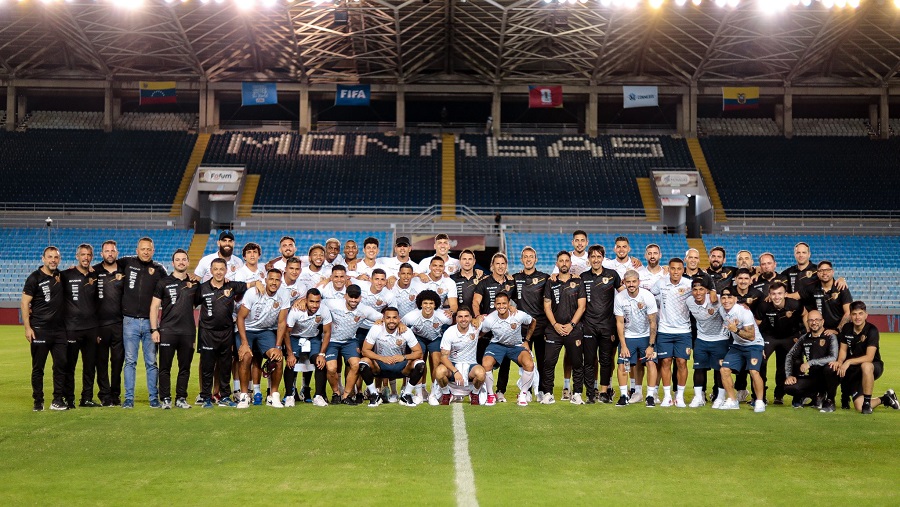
[545, 96]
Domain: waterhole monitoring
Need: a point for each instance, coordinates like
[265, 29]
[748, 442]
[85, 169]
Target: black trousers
[819, 380]
[606, 345]
[573, 344]
[82, 341]
[776, 347]
[109, 362]
[171, 346]
[215, 351]
[48, 343]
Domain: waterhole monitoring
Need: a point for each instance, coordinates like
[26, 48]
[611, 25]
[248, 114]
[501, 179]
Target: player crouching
[458, 367]
[384, 356]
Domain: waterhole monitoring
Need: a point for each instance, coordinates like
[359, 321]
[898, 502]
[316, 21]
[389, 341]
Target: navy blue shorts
[429, 346]
[361, 336]
[391, 370]
[743, 358]
[346, 350]
[709, 355]
[637, 347]
[499, 351]
[315, 346]
[676, 345]
[260, 341]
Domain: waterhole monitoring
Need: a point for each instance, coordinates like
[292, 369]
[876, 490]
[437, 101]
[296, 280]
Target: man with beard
[483, 301]
[226, 249]
[859, 362]
[780, 321]
[42, 314]
[404, 295]
[745, 260]
[813, 352]
[287, 247]
[692, 266]
[458, 367]
[674, 335]
[825, 295]
[391, 265]
[600, 286]
[81, 295]
[346, 317]
[331, 257]
[711, 345]
[427, 324]
[315, 273]
[636, 328]
[507, 345]
[175, 333]
[564, 305]
[351, 250]
[652, 272]
[384, 356]
[767, 273]
[110, 350]
[466, 279]
[530, 289]
[745, 352]
[307, 343]
[721, 274]
[436, 281]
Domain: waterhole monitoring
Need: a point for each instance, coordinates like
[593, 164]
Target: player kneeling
[458, 367]
[506, 343]
[384, 356]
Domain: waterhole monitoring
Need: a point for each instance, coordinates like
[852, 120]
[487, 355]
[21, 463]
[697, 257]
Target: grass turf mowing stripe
[465, 477]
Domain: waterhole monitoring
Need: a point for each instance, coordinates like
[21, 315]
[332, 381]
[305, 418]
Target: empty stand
[548, 245]
[20, 249]
[69, 120]
[813, 173]
[69, 166]
[334, 169]
[525, 172]
[839, 127]
[738, 127]
[155, 121]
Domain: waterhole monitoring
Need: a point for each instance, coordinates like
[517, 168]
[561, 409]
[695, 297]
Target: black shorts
[851, 384]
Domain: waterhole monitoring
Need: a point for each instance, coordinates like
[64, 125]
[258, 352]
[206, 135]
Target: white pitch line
[465, 476]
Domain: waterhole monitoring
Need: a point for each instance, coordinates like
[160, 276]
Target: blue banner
[352, 95]
[258, 94]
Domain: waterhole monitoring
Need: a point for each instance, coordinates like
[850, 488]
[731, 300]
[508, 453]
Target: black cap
[701, 281]
[402, 241]
[226, 235]
[728, 291]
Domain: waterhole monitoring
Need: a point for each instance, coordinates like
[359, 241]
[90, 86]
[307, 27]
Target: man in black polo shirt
[142, 274]
[530, 289]
[825, 296]
[483, 304]
[110, 350]
[802, 273]
[767, 273]
[81, 295]
[859, 362]
[564, 305]
[600, 287]
[175, 333]
[780, 322]
[811, 355]
[721, 274]
[466, 278]
[42, 315]
[216, 298]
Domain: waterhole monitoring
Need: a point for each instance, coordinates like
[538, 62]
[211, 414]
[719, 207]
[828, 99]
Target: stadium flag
[545, 96]
[352, 95]
[258, 94]
[640, 96]
[157, 92]
[737, 98]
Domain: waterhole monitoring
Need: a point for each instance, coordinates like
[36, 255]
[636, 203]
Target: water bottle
[628, 366]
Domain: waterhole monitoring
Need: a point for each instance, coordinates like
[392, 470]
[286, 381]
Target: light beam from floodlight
[721, 3]
[733, 3]
[697, 2]
[680, 3]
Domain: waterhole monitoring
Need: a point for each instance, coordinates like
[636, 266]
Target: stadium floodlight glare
[853, 4]
[128, 4]
[244, 5]
[696, 2]
[721, 3]
[680, 3]
[828, 4]
[656, 4]
[733, 3]
[805, 3]
[840, 4]
[897, 4]
[269, 3]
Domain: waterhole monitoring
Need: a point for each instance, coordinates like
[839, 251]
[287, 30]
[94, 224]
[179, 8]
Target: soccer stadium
[449, 252]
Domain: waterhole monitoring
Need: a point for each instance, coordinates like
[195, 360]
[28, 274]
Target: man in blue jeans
[141, 274]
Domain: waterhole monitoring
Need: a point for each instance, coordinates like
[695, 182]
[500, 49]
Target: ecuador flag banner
[158, 92]
[737, 98]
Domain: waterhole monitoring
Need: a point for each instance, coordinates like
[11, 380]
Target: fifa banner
[352, 95]
[258, 94]
[738, 98]
[157, 92]
[640, 96]
[545, 96]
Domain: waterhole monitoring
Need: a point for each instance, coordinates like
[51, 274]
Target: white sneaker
[417, 399]
[393, 398]
[274, 401]
[717, 404]
[565, 394]
[529, 396]
[433, 400]
[244, 401]
[667, 402]
[679, 402]
[576, 399]
[742, 395]
[289, 402]
[319, 401]
[523, 399]
[759, 406]
[636, 398]
[731, 405]
[500, 398]
[698, 401]
[547, 399]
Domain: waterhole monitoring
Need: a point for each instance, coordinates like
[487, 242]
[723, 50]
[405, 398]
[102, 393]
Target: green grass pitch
[394, 455]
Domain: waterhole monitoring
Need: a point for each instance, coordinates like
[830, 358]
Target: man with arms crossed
[636, 313]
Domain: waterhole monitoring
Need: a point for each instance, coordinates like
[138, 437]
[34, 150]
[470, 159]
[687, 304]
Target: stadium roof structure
[487, 42]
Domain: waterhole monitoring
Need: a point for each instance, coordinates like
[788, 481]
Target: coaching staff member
[42, 315]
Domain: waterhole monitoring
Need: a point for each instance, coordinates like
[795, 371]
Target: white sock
[679, 392]
[445, 389]
[639, 390]
[698, 392]
[652, 391]
[237, 385]
[596, 384]
[420, 390]
[373, 389]
[408, 388]
[527, 378]
[255, 388]
[722, 394]
[667, 391]
[623, 390]
[489, 382]
[631, 384]
[521, 371]
[567, 383]
[276, 396]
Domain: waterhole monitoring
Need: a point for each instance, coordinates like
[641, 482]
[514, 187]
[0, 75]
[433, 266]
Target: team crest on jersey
[412, 297]
[379, 302]
[513, 326]
[356, 318]
[151, 270]
[470, 336]
[90, 281]
[507, 288]
[862, 338]
[188, 285]
[56, 278]
[436, 325]
[119, 276]
[535, 281]
[399, 342]
[318, 319]
[227, 292]
[293, 293]
[809, 274]
[754, 361]
[577, 343]
[572, 285]
[725, 274]
[681, 291]
[788, 313]
[750, 301]
[233, 268]
[834, 295]
[441, 290]
[275, 305]
[822, 342]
